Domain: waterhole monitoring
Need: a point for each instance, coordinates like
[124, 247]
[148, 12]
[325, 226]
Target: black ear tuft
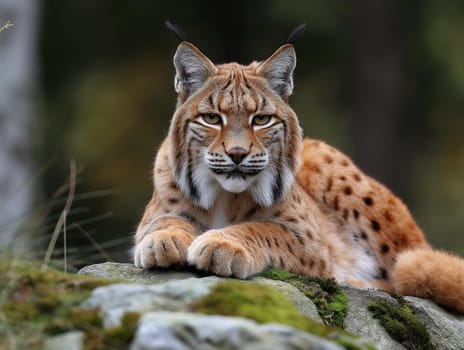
[297, 32]
[178, 32]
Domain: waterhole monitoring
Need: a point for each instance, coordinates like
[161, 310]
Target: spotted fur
[238, 190]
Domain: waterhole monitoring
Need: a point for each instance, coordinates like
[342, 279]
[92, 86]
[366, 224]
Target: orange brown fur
[237, 190]
[431, 274]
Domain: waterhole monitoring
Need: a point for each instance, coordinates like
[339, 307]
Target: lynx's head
[233, 129]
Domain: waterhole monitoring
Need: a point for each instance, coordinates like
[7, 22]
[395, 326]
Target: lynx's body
[237, 190]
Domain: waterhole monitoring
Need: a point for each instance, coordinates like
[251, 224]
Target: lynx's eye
[211, 118]
[261, 119]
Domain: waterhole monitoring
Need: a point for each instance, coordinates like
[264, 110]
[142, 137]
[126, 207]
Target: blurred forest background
[90, 84]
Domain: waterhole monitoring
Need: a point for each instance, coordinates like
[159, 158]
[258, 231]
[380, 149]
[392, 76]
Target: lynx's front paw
[162, 248]
[222, 255]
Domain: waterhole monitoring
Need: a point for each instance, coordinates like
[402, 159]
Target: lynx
[237, 189]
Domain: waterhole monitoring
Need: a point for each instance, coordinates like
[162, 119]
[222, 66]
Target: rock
[184, 331]
[302, 302]
[130, 273]
[68, 341]
[163, 299]
[446, 330]
[360, 321]
[115, 300]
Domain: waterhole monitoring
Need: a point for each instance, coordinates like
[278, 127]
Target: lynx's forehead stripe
[235, 95]
[261, 101]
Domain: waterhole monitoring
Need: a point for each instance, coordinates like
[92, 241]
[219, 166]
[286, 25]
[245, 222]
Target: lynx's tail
[431, 274]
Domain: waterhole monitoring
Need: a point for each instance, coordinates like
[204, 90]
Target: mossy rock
[257, 302]
[130, 273]
[37, 303]
[331, 301]
[266, 305]
[400, 321]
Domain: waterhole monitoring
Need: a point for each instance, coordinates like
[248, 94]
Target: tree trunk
[18, 114]
[380, 91]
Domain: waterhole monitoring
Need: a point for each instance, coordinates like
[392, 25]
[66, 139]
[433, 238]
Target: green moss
[44, 302]
[354, 344]
[267, 305]
[276, 274]
[402, 324]
[85, 319]
[260, 303]
[125, 332]
[75, 319]
[97, 338]
[331, 301]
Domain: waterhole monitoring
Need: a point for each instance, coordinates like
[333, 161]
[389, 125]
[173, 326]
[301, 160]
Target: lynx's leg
[246, 249]
[163, 243]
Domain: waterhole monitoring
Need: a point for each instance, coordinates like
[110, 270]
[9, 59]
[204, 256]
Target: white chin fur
[233, 185]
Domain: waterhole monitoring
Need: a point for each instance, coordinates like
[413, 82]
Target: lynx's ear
[278, 70]
[192, 69]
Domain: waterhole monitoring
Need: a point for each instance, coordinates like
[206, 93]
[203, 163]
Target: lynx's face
[236, 154]
[233, 130]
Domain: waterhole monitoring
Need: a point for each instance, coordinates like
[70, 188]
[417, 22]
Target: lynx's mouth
[235, 181]
[230, 169]
[235, 173]
[234, 176]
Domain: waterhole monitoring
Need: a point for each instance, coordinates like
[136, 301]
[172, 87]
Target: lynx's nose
[237, 154]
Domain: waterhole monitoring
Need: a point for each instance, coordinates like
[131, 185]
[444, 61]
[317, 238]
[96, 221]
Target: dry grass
[6, 26]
